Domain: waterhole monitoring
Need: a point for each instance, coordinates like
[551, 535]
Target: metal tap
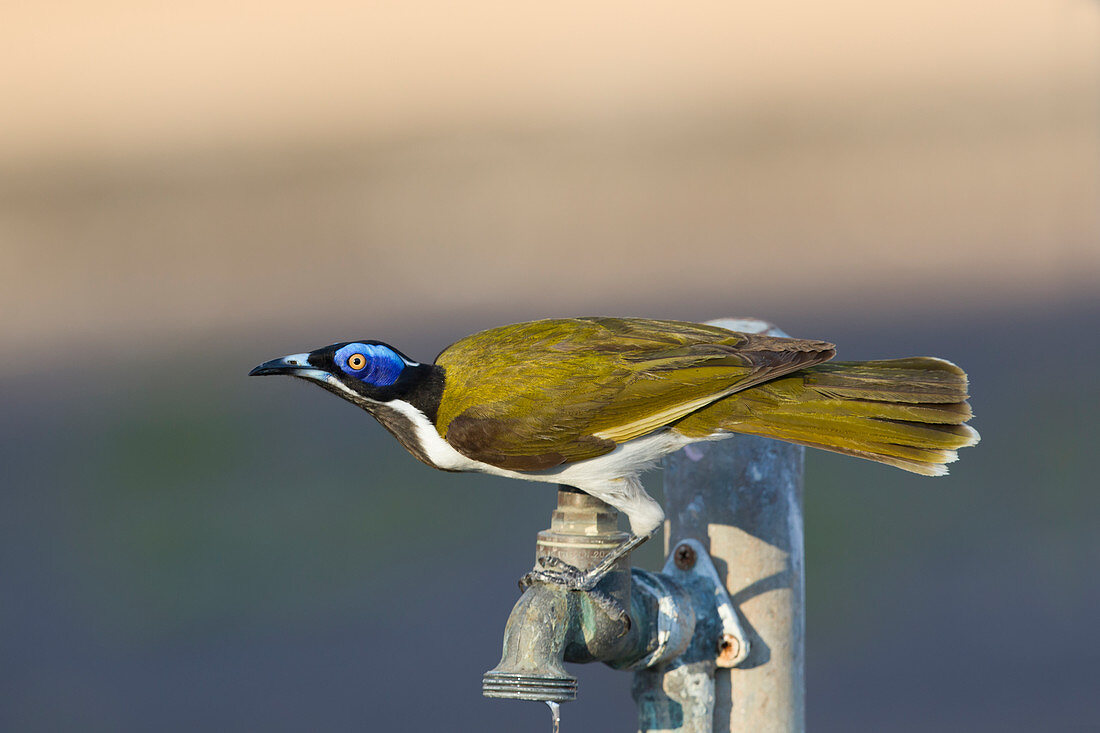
[632, 619]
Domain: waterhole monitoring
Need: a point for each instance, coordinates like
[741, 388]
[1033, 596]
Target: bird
[593, 402]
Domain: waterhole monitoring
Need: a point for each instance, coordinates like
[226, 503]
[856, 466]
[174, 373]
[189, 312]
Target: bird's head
[363, 372]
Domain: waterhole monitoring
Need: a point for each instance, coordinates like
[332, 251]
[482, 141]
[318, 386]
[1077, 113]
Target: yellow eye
[357, 361]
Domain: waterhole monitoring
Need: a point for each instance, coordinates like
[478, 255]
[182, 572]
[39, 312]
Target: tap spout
[534, 648]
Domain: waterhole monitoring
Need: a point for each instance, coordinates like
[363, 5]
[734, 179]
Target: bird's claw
[557, 572]
[552, 570]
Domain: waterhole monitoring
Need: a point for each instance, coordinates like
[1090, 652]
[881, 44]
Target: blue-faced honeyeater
[593, 402]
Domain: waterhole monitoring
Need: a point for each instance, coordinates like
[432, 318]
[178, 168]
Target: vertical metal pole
[742, 498]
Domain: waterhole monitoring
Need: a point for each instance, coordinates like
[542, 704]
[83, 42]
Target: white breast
[611, 477]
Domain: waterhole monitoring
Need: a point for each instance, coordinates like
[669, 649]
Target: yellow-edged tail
[909, 413]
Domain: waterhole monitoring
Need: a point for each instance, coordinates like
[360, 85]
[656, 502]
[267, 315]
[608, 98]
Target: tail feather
[909, 413]
[917, 379]
[930, 467]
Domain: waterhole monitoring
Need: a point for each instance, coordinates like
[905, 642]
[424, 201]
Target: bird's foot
[552, 570]
[558, 572]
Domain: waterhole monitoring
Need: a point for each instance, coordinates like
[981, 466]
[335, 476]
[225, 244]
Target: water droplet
[555, 714]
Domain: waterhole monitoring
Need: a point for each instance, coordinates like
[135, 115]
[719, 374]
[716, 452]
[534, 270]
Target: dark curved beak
[295, 364]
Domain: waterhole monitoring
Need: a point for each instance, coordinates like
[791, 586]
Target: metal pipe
[742, 499]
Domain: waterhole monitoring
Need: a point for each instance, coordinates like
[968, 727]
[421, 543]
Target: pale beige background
[197, 169]
[188, 189]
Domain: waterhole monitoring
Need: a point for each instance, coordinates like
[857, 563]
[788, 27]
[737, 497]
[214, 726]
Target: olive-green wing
[532, 396]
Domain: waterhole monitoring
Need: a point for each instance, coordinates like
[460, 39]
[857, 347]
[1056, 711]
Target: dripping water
[555, 715]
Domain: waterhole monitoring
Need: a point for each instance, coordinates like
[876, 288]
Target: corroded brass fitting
[618, 622]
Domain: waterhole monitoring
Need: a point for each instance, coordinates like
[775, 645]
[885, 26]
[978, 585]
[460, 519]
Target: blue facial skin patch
[383, 365]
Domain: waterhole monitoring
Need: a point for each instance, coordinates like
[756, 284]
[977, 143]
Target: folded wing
[536, 395]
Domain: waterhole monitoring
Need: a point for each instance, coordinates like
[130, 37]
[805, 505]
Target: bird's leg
[593, 576]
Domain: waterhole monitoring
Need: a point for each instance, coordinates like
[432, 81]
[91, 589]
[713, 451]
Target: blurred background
[188, 190]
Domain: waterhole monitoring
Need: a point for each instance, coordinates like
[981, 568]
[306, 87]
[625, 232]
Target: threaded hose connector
[528, 687]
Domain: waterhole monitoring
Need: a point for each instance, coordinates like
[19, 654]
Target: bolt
[729, 649]
[684, 557]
